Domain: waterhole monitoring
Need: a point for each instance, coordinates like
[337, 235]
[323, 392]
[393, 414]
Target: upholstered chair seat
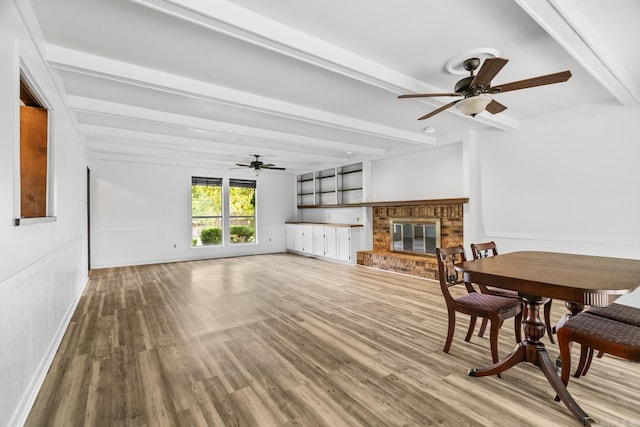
[596, 332]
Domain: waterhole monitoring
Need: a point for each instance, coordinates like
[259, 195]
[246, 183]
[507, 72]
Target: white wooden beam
[225, 17]
[85, 63]
[128, 137]
[565, 22]
[90, 105]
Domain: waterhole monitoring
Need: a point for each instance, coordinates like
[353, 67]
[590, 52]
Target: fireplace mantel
[428, 202]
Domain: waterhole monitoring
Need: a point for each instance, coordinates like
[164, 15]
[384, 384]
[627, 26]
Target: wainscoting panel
[36, 305]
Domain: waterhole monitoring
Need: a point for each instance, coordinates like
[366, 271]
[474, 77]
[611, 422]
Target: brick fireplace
[448, 211]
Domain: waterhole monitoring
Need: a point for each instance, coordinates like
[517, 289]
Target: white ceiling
[310, 85]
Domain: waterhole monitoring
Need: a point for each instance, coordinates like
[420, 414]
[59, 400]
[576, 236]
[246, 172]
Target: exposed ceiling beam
[96, 106]
[148, 153]
[103, 151]
[225, 17]
[565, 22]
[85, 63]
[235, 152]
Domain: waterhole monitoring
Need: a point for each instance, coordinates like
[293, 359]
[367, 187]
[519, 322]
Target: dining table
[579, 280]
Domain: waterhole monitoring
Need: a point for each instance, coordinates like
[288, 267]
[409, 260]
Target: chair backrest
[447, 274]
[483, 250]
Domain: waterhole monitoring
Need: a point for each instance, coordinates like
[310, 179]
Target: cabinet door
[330, 242]
[298, 238]
[307, 239]
[318, 240]
[290, 236]
[343, 243]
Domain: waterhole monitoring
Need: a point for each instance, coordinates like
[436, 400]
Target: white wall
[140, 211]
[43, 267]
[432, 174]
[570, 187]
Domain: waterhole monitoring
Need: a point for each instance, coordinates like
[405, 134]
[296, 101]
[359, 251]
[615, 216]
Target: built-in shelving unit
[331, 187]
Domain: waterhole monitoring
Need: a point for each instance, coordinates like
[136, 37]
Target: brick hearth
[450, 212]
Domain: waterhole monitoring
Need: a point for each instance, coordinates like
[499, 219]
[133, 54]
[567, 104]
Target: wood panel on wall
[33, 162]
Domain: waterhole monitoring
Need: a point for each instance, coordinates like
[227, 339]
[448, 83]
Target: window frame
[244, 183]
[221, 217]
[23, 76]
[225, 212]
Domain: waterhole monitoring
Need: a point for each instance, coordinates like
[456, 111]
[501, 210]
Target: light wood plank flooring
[286, 340]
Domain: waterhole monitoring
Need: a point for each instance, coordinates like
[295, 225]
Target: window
[206, 211]
[35, 169]
[242, 211]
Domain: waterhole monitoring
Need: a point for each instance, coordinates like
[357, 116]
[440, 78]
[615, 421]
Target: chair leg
[452, 328]
[472, 326]
[585, 353]
[565, 355]
[494, 330]
[517, 323]
[483, 327]
[589, 360]
[493, 338]
[547, 320]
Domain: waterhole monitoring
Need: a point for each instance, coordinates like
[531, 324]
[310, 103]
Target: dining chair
[473, 303]
[601, 333]
[484, 250]
[618, 312]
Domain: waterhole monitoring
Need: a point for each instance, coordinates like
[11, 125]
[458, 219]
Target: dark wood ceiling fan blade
[244, 165]
[439, 110]
[490, 68]
[495, 107]
[427, 95]
[273, 167]
[547, 79]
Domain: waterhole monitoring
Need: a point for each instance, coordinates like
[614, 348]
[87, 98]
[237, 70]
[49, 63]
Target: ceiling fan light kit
[473, 105]
[475, 88]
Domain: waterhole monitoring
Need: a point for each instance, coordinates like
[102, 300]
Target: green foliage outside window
[243, 201]
[211, 236]
[206, 200]
[241, 234]
[207, 211]
[242, 211]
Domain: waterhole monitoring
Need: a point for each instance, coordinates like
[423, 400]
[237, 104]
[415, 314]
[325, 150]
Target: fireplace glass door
[415, 236]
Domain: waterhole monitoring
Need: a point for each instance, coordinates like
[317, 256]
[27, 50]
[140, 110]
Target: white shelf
[331, 187]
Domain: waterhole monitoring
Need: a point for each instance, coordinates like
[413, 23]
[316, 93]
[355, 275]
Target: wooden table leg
[532, 350]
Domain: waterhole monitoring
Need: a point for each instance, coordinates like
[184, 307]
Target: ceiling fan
[256, 166]
[475, 89]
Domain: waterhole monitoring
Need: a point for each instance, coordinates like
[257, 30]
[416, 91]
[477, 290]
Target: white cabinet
[318, 240]
[339, 242]
[290, 231]
[295, 237]
[330, 242]
[307, 239]
[343, 244]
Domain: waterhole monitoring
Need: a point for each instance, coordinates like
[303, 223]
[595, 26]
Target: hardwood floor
[286, 340]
